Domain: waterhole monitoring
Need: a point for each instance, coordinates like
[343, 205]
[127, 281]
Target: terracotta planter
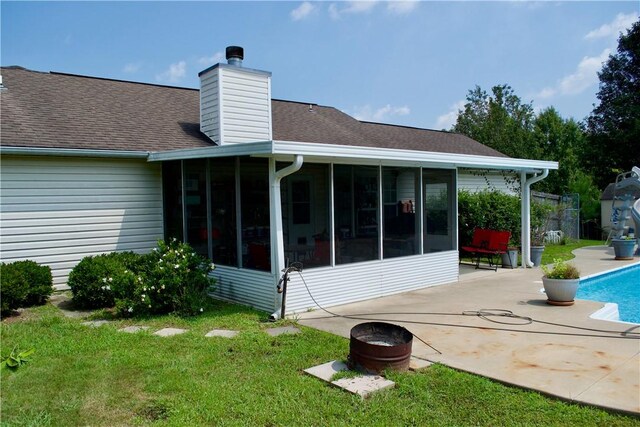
[560, 291]
[623, 248]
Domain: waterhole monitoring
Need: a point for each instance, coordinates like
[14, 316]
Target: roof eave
[72, 152]
[349, 153]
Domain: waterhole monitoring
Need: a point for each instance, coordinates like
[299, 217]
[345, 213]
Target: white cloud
[351, 7]
[210, 60]
[366, 113]
[302, 11]
[402, 7]
[619, 25]
[585, 76]
[174, 74]
[132, 67]
[449, 118]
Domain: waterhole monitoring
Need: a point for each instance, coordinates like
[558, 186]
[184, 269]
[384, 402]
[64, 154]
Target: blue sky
[409, 63]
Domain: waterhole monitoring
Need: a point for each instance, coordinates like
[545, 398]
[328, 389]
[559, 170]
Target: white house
[93, 165]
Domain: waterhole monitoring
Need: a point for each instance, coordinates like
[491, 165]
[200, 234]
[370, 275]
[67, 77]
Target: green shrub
[175, 280]
[495, 210]
[97, 280]
[24, 284]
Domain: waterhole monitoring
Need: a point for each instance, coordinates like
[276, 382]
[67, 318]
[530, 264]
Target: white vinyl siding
[235, 105]
[210, 106]
[57, 210]
[332, 286]
[480, 181]
[254, 288]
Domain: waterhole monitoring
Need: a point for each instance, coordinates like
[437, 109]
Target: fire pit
[376, 346]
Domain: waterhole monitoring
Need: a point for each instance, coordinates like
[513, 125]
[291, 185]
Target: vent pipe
[235, 55]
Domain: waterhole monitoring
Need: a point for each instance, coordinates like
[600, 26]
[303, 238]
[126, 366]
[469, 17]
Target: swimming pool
[620, 286]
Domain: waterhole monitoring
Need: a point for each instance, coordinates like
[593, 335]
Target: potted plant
[623, 247]
[537, 245]
[510, 257]
[560, 282]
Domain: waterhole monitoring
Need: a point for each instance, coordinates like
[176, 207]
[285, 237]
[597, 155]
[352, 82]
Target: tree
[500, 121]
[560, 140]
[614, 124]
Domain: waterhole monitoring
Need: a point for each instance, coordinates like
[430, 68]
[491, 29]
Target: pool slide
[632, 179]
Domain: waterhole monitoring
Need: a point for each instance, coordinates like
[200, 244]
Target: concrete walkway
[597, 368]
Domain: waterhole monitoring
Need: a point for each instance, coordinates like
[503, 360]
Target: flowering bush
[98, 280]
[175, 280]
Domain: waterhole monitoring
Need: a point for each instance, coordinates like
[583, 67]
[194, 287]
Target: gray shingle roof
[54, 110]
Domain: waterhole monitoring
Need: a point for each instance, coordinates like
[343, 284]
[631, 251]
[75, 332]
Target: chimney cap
[235, 52]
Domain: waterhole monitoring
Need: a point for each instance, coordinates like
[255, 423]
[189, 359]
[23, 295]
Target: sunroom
[363, 222]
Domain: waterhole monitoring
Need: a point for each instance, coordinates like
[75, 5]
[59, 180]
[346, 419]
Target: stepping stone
[362, 385]
[168, 332]
[133, 329]
[95, 323]
[274, 332]
[416, 364]
[225, 333]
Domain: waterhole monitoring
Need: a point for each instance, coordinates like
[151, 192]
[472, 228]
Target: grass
[102, 377]
[552, 252]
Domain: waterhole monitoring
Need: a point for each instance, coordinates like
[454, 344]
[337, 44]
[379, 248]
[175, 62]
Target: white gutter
[277, 240]
[525, 214]
[72, 152]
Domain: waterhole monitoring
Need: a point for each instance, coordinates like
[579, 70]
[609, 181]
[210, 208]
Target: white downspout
[277, 240]
[525, 214]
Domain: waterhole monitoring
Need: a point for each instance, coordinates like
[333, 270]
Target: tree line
[590, 152]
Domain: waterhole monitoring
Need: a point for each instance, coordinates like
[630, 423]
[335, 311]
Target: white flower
[152, 287]
[143, 295]
[126, 271]
[111, 279]
[161, 268]
[144, 288]
[201, 309]
[103, 287]
[162, 286]
[108, 287]
[104, 279]
[130, 309]
[176, 266]
[193, 254]
[213, 266]
[149, 305]
[139, 279]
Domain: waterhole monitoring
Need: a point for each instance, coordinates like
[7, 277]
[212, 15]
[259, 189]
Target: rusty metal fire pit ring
[376, 346]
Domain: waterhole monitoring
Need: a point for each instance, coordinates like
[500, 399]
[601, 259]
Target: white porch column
[275, 218]
[525, 213]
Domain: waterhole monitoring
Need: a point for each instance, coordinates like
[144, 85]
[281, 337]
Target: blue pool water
[621, 287]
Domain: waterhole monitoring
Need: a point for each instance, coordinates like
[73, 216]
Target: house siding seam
[344, 284]
[57, 210]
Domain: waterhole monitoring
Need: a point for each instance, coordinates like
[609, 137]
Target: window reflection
[254, 193]
[305, 215]
[399, 187]
[223, 212]
[439, 196]
[356, 213]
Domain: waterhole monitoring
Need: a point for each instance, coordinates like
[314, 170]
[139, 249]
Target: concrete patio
[600, 368]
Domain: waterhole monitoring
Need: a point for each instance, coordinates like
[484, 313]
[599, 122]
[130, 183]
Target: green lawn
[101, 377]
[551, 252]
